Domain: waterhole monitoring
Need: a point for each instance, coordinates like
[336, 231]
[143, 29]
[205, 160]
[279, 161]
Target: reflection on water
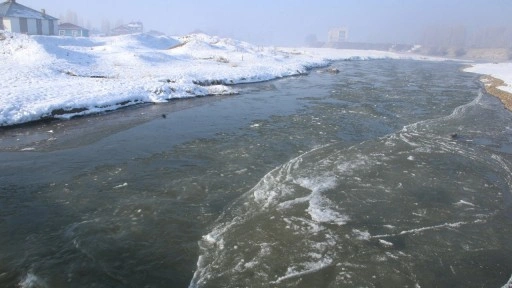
[352, 179]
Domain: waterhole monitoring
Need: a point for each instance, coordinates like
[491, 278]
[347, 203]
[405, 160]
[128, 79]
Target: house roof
[132, 26]
[11, 8]
[69, 26]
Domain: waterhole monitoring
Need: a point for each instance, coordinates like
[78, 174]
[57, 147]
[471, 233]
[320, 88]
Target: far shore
[491, 85]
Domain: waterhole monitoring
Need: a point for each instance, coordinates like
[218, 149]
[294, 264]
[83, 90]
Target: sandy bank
[491, 85]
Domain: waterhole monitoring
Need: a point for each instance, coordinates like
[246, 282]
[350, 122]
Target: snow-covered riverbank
[497, 80]
[63, 77]
[501, 71]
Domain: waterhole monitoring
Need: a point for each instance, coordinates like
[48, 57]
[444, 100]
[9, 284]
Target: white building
[337, 35]
[15, 17]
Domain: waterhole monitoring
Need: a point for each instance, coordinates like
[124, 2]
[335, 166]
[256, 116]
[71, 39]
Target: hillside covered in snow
[61, 77]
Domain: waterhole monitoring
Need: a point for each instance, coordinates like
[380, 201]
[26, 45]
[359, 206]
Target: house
[68, 29]
[337, 35]
[15, 17]
[130, 28]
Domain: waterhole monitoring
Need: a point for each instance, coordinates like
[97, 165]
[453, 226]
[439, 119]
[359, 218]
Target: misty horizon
[291, 23]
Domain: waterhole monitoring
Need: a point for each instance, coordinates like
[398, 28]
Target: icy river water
[389, 174]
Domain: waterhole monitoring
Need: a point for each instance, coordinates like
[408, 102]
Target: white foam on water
[427, 228]
[361, 235]
[414, 134]
[300, 214]
[290, 203]
[304, 269]
[508, 284]
[271, 187]
[32, 281]
[317, 184]
[348, 167]
[320, 210]
[302, 224]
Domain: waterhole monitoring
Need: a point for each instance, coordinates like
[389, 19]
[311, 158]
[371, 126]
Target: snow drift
[61, 77]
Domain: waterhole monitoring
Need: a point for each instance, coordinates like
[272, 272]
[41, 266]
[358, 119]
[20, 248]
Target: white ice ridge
[54, 76]
[422, 229]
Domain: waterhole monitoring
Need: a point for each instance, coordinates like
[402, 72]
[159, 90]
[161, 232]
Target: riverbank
[62, 77]
[497, 79]
[492, 85]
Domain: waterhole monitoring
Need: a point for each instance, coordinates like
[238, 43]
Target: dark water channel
[389, 174]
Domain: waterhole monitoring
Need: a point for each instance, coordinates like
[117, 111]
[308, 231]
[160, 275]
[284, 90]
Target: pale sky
[288, 22]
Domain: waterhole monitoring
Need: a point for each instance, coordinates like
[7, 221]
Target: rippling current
[388, 174]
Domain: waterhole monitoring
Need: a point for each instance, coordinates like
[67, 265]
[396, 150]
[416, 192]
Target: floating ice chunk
[385, 243]
[28, 149]
[121, 185]
[462, 202]
[390, 255]
[361, 235]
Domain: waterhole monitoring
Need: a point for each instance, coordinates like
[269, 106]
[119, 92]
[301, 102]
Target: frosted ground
[62, 77]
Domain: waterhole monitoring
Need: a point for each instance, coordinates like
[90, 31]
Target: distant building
[337, 35]
[68, 29]
[15, 17]
[130, 28]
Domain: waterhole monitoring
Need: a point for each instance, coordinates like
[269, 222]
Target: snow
[62, 77]
[501, 71]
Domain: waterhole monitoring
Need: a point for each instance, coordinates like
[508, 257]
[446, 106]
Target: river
[391, 173]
